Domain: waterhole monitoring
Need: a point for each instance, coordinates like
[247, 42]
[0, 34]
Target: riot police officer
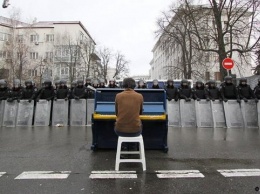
[228, 90]
[244, 90]
[199, 91]
[47, 92]
[95, 83]
[57, 84]
[171, 91]
[4, 90]
[257, 90]
[213, 91]
[88, 82]
[112, 84]
[80, 91]
[141, 84]
[62, 92]
[155, 84]
[102, 83]
[185, 91]
[30, 91]
[16, 92]
[73, 85]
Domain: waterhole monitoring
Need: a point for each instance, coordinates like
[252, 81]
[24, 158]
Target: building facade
[167, 59]
[54, 50]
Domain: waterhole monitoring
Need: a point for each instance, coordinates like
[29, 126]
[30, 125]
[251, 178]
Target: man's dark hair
[129, 83]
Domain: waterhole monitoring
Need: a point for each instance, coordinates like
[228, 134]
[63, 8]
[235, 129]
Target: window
[49, 56]
[49, 37]
[34, 38]
[5, 54]
[64, 71]
[226, 39]
[20, 38]
[5, 37]
[33, 55]
[32, 72]
[207, 57]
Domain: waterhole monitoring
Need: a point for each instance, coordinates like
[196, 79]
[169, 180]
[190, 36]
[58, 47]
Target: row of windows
[35, 38]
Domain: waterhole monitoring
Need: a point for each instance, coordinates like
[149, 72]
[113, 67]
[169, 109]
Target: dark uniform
[155, 84]
[95, 83]
[185, 91]
[171, 91]
[88, 82]
[213, 91]
[80, 91]
[112, 84]
[257, 90]
[244, 90]
[62, 92]
[199, 91]
[102, 83]
[4, 90]
[228, 90]
[16, 92]
[47, 92]
[30, 91]
[141, 84]
[73, 85]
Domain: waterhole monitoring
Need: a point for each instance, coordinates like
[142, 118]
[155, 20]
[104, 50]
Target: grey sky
[122, 25]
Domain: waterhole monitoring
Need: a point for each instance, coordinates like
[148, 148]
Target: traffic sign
[228, 63]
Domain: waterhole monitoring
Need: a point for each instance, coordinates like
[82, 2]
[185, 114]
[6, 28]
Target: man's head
[228, 80]
[129, 83]
[243, 81]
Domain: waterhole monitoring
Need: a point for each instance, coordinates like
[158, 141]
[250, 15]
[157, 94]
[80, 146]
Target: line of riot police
[30, 92]
[210, 91]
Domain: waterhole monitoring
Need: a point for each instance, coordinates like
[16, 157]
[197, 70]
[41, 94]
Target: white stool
[138, 139]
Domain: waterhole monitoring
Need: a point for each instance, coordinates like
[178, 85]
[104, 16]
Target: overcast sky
[122, 25]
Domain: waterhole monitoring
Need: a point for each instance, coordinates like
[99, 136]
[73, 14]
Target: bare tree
[233, 29]
[121, 65]
[199, 31]
[106, 57]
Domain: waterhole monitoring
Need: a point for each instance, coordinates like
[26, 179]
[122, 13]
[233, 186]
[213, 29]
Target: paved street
[66, 153]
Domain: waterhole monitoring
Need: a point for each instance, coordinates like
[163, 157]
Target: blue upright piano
[154, 119]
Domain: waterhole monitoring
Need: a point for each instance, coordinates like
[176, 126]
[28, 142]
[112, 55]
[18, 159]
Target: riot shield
[42, 113]
[2, 108]
[25, 113]
[203, 114]
[78, 112]
[90, 110]
[188, 113]
[173, 109]
[60, 112]
[218, 114]
[249, 112]
[233, 114]
[10, 112]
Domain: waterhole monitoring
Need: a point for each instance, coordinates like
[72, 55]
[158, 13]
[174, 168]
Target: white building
[46, 50]
[167, 55]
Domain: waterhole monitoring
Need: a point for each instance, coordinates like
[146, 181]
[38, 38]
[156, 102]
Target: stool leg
[118, 153]
[142, 156]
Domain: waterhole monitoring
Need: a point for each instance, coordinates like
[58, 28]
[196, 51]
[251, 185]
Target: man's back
[129, 105]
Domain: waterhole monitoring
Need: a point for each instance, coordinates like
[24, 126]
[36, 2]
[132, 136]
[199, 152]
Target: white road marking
[2, 173]
[113, 175]
[179, 174]
[44, 175]
[228, 63]
[240, 172]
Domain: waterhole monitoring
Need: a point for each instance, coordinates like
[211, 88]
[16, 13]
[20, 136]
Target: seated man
[128, 106]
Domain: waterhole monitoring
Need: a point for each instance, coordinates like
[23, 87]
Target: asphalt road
[68, 149]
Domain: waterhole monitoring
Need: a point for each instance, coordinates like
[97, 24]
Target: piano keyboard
[142, 117]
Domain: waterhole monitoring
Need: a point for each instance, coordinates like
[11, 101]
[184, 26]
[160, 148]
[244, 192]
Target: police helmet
[243, 80]
[28, 82]
[47, 82]
[3, 83]
[63, 82]
[228, 78]
[79, 82]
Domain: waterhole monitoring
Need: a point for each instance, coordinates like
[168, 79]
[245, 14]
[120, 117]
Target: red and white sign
[228, 63]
